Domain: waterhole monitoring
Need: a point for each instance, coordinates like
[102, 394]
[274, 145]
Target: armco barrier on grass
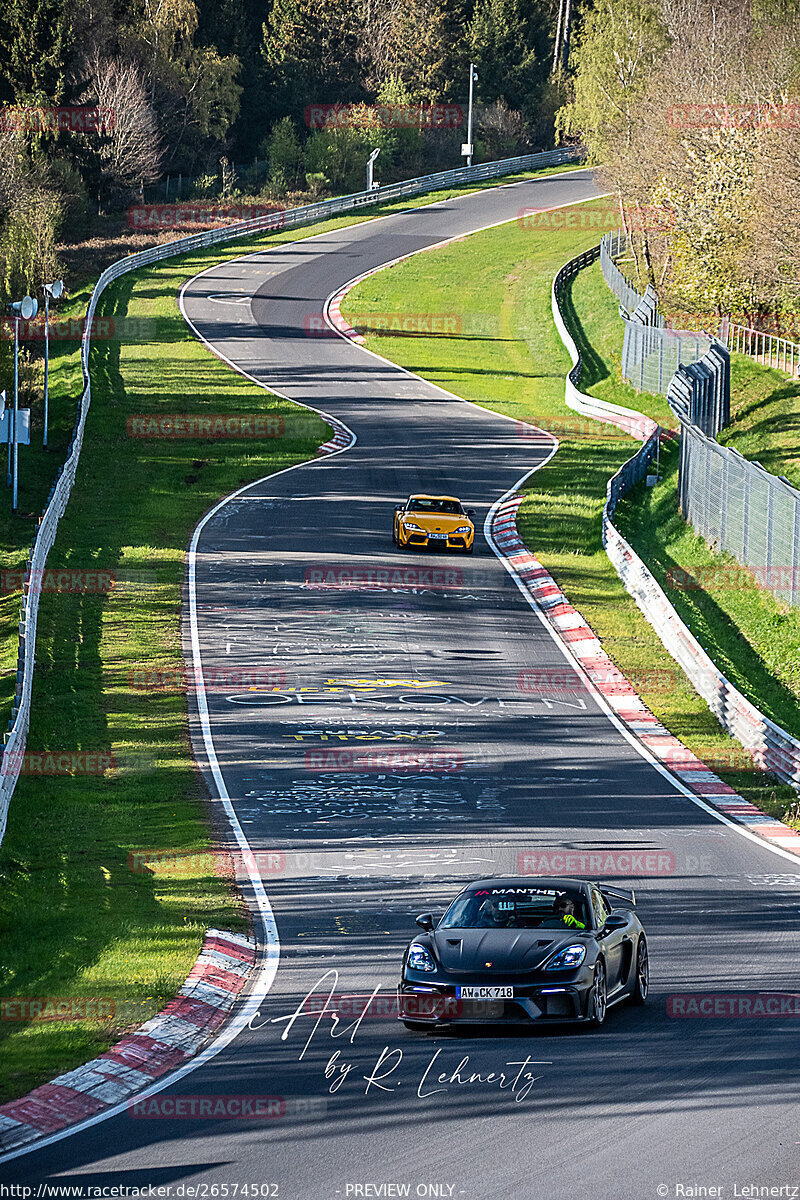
[59, 495]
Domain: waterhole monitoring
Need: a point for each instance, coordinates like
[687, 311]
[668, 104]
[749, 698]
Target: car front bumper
[422, 541]
[541, 1001]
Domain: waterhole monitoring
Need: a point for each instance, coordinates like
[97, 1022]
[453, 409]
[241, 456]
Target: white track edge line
[627, 734]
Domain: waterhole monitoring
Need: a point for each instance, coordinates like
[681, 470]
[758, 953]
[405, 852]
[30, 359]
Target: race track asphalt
[441, 661]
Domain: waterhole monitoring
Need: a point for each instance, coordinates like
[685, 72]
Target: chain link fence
[734, 504]
[741, 509]
[737, 510]
[700, 392]
[651, 353]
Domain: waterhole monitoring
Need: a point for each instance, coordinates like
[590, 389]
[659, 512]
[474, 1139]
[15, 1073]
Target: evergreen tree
[35, 43]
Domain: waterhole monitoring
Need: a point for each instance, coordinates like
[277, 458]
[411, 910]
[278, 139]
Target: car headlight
[411, 525]
[420, 959]
[463, 529]
[566, 959]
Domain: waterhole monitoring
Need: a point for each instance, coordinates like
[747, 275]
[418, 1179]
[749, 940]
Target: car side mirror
[399, 507]
[425, 921]
[616, 920]
[470, 512]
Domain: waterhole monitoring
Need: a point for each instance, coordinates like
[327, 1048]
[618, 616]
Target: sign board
[23, 430]
[466, 149]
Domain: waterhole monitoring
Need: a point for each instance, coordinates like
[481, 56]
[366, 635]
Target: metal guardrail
[634, 423]
[771, 747]
[16, 738]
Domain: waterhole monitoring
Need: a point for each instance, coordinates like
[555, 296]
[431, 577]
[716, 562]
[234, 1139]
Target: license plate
[437, 537]
[484, 993]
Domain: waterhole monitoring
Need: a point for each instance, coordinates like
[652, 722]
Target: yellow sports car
[439, 522]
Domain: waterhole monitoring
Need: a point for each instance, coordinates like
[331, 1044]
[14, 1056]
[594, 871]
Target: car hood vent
[508, 950]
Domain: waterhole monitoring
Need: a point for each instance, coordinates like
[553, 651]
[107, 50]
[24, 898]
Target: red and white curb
[334, 312]
[618, 693]
[163, 1043]
[343, 438]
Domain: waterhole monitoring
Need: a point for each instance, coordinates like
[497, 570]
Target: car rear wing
[619, 893]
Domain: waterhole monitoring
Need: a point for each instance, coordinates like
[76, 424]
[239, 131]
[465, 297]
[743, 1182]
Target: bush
[341, 154]
[285, 156]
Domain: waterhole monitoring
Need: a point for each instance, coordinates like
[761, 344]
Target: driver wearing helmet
[493, 916]
[564, 908]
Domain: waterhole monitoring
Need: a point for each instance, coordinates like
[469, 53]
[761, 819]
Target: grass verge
[502, 279]
[100, 929]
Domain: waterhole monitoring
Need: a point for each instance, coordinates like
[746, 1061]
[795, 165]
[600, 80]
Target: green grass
[765, 417]
[75, 921]
[100, 929]
[517, 367]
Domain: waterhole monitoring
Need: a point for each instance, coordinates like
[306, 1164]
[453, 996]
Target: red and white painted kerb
[334, 312]
[618, 693]
[163, 1043]
[342, 438]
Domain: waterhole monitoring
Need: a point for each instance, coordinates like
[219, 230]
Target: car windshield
[424, 504]
[517, 908]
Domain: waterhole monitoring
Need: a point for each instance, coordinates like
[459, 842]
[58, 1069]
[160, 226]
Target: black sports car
[511, 951]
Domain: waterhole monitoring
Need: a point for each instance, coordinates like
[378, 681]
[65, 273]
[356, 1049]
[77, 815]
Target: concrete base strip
[176, 1034]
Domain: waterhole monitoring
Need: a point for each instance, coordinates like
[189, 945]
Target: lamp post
[466, 149]
[53, 290]
[25, 309]
[371, 169]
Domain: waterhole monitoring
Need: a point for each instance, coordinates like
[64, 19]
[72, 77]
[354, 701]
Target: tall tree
[35, 42]
[510, 40]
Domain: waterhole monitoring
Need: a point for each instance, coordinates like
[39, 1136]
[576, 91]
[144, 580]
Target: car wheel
[469, 549]
[417, 1026]
[394, 535]
[598, 998]
[641, 983]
